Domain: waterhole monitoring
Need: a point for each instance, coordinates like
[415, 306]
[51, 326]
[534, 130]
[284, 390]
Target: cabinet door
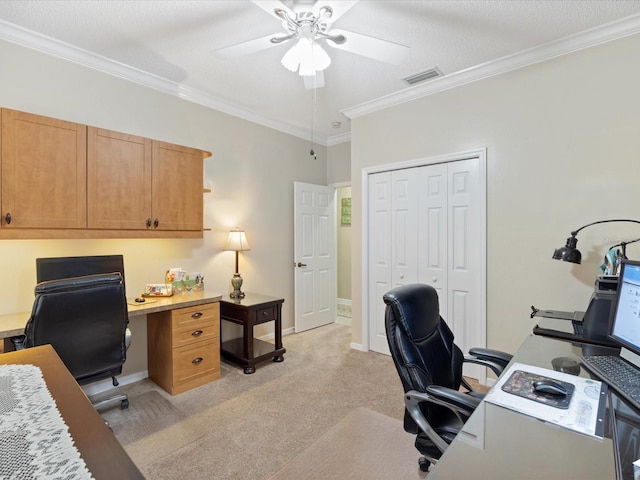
[176, 187]
[43, 172]
[118, 180]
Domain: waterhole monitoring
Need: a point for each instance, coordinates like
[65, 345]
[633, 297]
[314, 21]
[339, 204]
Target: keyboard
[618, 374]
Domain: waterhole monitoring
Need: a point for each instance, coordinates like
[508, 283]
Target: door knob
[301, 264]
[435, 279]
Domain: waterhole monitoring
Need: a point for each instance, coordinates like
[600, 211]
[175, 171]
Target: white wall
[563, 143]
[251, 176]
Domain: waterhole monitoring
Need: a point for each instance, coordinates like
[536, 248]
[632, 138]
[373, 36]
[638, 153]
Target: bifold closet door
[422, 226]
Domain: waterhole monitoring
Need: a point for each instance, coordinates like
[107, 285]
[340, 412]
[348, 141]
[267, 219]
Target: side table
[249, 311]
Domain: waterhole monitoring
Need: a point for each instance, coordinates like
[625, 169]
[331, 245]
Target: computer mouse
[140, 300]
[550, 388]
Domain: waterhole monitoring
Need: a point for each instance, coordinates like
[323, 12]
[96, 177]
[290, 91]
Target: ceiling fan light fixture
[307, 57]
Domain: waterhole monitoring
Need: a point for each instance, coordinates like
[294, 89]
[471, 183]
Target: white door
[379, 256]
[314, 255]
[393, 254]
[448, 215]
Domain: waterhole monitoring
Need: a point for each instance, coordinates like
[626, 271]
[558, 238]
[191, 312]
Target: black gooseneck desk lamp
[570, 252]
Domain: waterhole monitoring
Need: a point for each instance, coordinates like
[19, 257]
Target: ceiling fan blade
[314, 81]
[371, 47]
[245, 48]
[339, 7]
[270, 7]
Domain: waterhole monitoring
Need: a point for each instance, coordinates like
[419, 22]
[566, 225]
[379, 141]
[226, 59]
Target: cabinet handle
[196, 315]
[148, 222]
[264, 314]
[8, 218]
[196, 333]
[197, 360]
[156, 222]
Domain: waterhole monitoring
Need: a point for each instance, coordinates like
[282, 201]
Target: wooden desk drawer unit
[184, 347]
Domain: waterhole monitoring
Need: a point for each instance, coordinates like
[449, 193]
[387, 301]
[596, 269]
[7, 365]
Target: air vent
[423, 76]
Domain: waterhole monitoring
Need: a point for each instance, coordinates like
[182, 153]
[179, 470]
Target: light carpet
[363, 445]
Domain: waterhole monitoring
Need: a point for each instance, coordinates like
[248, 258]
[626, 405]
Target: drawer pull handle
[196, 315]
[197, 360]
[196, 333]
[264, 314]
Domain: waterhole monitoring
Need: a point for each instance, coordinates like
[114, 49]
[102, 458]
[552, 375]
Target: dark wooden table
[252, 310]
[104, 456]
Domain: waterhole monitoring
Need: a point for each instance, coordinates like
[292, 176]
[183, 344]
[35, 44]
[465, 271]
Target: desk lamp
[623, 246]
[237, 242]
[570, 253]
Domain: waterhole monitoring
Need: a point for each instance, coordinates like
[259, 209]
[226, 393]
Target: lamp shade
[568, 253]
[237, 241]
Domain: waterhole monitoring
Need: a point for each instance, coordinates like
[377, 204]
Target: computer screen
[56, 268]
[626, 321]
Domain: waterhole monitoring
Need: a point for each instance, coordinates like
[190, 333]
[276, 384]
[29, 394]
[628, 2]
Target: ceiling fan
[308, 24]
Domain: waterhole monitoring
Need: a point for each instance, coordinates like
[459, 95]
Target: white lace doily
[34, 440]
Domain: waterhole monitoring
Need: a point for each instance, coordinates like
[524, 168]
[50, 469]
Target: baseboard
[357, 346]
[272, 335]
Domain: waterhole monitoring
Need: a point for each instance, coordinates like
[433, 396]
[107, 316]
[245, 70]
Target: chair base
[104, 401]
[424, 464]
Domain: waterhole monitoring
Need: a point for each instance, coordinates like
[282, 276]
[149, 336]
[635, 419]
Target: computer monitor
[625, 328]
[55, 268]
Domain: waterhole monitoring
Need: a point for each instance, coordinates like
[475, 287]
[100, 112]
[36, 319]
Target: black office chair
[430, 367]
[85, 320]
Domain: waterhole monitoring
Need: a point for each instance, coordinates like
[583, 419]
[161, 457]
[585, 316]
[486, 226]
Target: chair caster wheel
[124, 404]
[424, 464]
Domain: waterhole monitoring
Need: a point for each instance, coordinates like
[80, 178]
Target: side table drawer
[192, 363]
[268, 314]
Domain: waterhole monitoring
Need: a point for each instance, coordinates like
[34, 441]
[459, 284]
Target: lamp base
[236, 283]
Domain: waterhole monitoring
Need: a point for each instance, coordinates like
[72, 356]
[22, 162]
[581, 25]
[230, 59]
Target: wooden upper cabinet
[118, 180]
[43, 172]
[176, 187]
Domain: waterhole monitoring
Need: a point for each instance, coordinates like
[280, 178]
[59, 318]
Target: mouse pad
[521, 383]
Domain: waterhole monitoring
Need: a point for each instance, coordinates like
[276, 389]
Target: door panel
[314, 255]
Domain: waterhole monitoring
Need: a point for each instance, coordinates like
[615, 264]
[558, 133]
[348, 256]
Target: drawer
[267, 314]
[196, 361]
[202, 332]
[195, 317]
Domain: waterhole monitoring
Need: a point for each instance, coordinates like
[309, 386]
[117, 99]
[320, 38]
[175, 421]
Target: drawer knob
[196, 315]
[196, 333]
[264, 314]
[197, 360]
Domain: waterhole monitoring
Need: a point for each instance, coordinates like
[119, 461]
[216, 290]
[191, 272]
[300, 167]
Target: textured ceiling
[174, 40]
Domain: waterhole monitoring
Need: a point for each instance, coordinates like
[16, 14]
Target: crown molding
[36, 41]
[337, 139]
[572, 43]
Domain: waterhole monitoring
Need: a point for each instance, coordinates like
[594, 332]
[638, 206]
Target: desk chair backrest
[421, 344]
[85, 319]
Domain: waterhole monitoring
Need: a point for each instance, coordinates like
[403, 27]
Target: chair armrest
[493, 359]
[460, 404]
[448, 397]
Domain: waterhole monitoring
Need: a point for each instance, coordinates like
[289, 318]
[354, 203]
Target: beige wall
[251, 176]
[562, 140]
[344, 248]
[339, 163]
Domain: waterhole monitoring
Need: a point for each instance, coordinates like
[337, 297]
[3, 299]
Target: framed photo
[345, 211]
